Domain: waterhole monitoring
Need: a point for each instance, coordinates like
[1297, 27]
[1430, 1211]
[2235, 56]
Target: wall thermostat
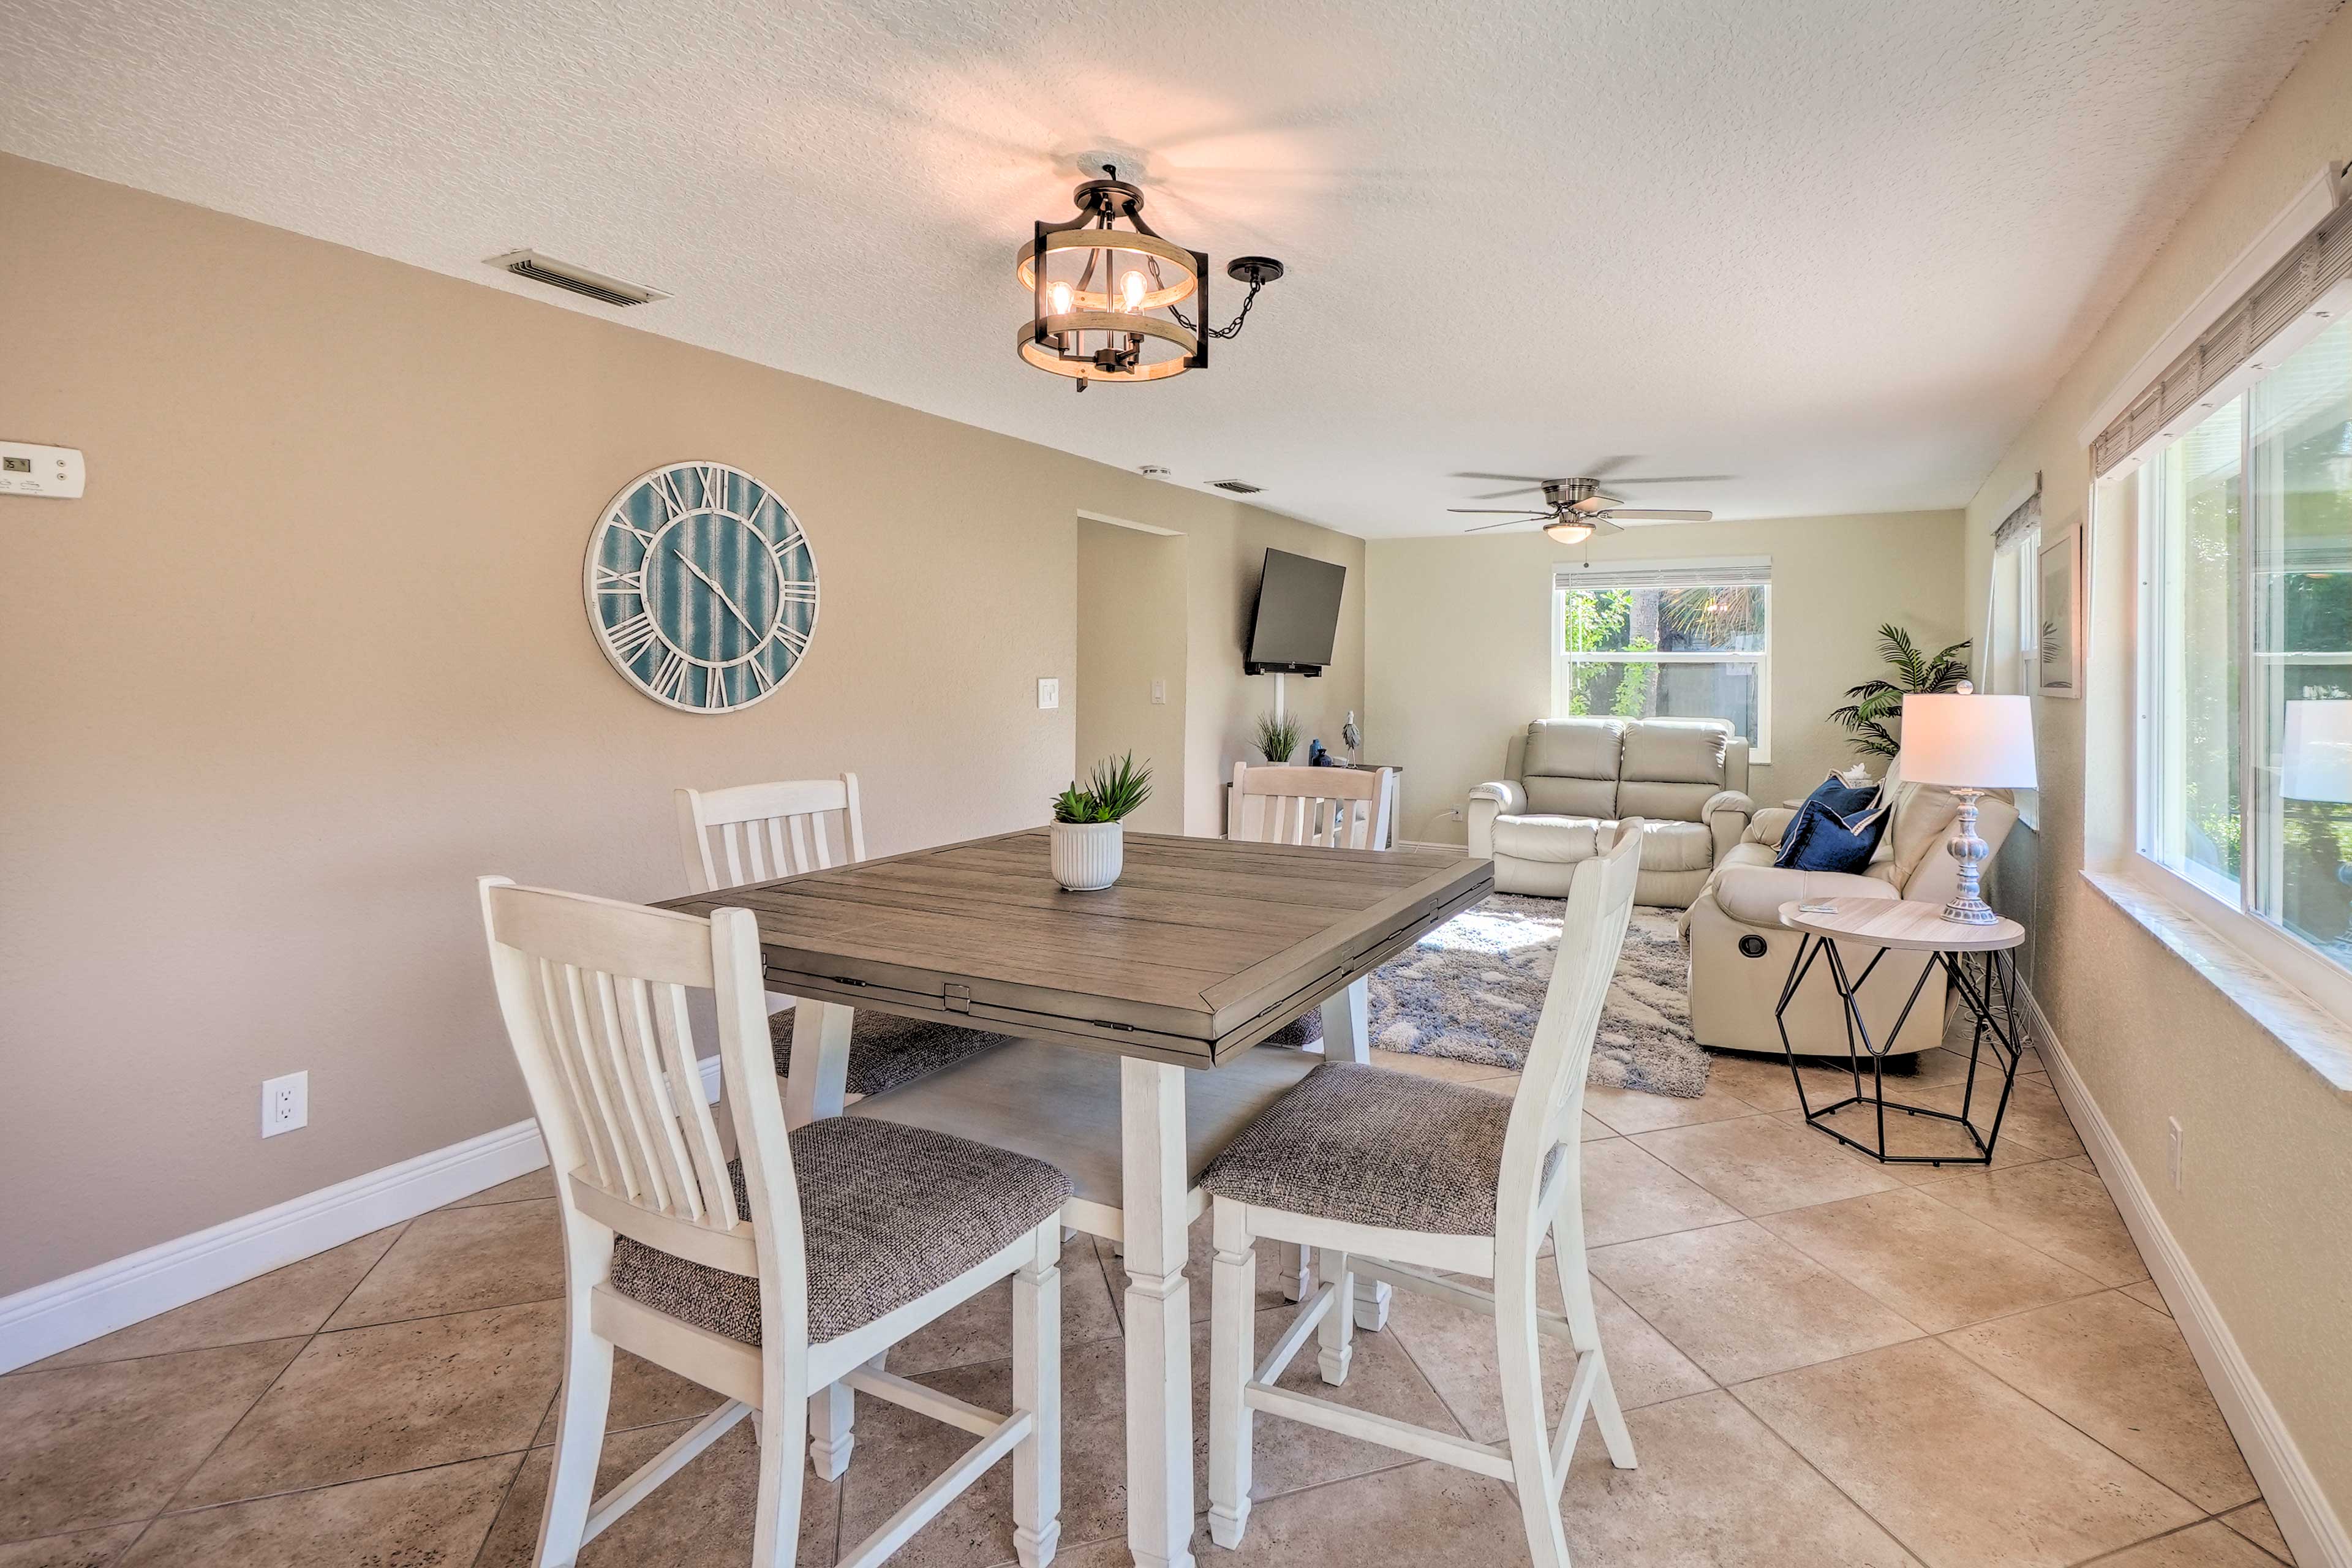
[29, 470]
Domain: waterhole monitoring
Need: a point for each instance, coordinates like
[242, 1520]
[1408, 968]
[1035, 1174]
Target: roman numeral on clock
[631, 636]
[669, 681]
[611, 581]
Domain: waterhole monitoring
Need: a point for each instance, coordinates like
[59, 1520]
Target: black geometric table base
[1994, 982]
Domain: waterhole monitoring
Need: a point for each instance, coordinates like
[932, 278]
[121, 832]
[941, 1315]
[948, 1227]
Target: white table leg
[819, 1092]
[1158, 1316]
[1347, 1037]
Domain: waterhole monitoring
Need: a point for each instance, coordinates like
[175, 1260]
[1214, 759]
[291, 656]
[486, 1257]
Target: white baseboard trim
[47, 1319]
[63, 1313]
[1425, 844]
[2303, 1513]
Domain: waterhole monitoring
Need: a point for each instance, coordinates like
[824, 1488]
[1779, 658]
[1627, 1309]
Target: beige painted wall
[310, 656]
[1132, 591]
[2268, 1146]
[1458, 632]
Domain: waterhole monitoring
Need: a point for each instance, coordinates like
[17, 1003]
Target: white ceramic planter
[1088, 855]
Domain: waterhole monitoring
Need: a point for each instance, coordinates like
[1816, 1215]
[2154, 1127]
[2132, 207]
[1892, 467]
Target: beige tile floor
[1826, 1361]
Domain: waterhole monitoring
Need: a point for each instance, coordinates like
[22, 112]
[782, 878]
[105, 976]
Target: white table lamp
[1967, 744]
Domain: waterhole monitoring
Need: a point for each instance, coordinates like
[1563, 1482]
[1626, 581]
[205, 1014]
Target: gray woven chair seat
[886, 1050]
[888, 1214]
[1372, 1146]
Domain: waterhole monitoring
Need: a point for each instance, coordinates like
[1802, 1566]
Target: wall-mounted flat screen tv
[1297, 615]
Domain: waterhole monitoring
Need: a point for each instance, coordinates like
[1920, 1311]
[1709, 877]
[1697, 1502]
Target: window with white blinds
[1665, 639]
[2289, 305]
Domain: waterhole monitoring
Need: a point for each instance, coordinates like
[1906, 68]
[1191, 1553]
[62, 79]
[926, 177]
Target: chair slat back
[758, 833]
[594, 995]
[1282, 805]
[1549, 1102]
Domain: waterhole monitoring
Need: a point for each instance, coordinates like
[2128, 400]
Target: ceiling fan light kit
[1106, 302]
[1574, 509]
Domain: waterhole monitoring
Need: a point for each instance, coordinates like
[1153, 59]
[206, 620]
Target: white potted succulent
[1088, 835]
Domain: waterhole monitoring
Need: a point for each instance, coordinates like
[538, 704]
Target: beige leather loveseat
[1740, 952]
[1567, 783]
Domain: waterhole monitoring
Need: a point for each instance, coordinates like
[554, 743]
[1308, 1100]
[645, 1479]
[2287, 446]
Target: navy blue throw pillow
[1837, 829]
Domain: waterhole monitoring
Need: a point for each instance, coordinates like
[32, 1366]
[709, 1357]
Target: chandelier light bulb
[1132, 289]
[1060, 296]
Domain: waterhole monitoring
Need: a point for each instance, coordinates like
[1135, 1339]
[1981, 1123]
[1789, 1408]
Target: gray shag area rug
[1473, 989]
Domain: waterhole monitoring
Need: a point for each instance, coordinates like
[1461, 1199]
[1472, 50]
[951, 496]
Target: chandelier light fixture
[1108, 302]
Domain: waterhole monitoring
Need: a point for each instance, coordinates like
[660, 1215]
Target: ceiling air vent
[1235, 486]
[563, 274]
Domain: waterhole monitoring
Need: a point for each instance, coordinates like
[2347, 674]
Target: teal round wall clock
[701, 588]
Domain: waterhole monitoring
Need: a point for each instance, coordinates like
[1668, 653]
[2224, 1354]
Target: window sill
[2315, 1038]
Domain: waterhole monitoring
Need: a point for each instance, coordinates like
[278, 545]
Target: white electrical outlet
[2172, 1151]
[285, 1103]
[1160, 692]
[1049, 694]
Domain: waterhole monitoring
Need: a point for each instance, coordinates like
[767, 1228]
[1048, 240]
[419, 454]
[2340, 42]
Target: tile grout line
[308, 1341]
[1937, 1340]
[507, 1491]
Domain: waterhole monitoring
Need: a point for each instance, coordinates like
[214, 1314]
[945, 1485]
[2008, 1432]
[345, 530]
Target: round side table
[1906, 925]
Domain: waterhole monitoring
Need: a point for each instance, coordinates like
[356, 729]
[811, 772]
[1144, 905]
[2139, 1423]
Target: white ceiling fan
[1574, 509]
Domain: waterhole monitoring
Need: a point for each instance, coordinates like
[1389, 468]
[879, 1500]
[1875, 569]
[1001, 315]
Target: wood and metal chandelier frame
[1106, 302]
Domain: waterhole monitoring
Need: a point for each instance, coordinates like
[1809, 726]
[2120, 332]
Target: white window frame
[2229, 912]
[1681, 573]
[2008, 661]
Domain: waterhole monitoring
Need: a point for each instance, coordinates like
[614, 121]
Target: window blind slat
[1664, 574]
[2278, 299]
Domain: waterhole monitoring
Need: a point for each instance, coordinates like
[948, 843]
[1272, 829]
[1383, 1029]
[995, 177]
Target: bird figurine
[1349, 736]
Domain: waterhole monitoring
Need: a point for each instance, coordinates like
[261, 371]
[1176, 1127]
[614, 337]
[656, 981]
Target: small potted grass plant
[1089, 839]
[1277, 738]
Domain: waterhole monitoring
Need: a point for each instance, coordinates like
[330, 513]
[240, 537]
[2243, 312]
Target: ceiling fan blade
[1602, 525]
[1523, 479]
[1649, 514]
[1596, 502]
[1483, 526]
[1496, 512]
[1605, 466]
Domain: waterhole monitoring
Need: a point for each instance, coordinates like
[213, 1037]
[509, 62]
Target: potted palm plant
[1880, 700]
[1088, 837]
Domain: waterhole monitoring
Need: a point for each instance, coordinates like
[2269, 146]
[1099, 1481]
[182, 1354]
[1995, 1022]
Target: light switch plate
[29, 470]
[1160, 692]
[1049, 694]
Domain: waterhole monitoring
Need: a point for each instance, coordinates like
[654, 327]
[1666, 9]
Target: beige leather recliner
[1740, 952]
[1567, 783]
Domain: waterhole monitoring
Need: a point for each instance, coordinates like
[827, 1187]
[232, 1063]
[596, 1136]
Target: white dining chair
[761, 832]
[1332, 808]
[1414, 1181]
[1340, 808]
[789, 1270]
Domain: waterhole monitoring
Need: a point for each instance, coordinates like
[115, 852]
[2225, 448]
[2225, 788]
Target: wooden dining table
[1135, 1012]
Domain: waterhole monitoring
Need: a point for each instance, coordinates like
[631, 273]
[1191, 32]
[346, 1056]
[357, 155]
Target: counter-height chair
[1411, 1180]
[789, 1268]
[1331, 808]
[758, 833]
[1337, 808]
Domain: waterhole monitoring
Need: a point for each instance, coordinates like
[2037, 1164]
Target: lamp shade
[1968, 742]
[2319, 759]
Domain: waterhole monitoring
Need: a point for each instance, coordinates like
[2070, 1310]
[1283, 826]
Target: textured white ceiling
[1836, 250]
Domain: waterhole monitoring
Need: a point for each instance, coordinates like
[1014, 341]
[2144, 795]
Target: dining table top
[1201, 949]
